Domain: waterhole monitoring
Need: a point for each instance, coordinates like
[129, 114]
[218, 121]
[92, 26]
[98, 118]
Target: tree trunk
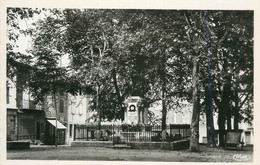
[227, 94]
[98, 109]
[221, 119]
[163, 108]
[228, 118]
[236, 113]
[19, 91]
[209, 120]
[194, 139]
[116, 86]
[224, 111]
[119, 97]
[56, 116]
[163, 78]
[19, 101]
[221, 125]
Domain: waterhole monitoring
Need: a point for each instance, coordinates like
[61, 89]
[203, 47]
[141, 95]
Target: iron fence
[26, 137]
[130, 133]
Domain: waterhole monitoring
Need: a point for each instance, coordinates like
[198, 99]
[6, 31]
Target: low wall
[151, 145]
[176, 145]
[91, 143]
[17, 145]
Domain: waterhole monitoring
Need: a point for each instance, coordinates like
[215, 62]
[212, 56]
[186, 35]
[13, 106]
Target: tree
[151, 53]
[231, 40]
[89, 51]
[48, 78]
[18, 64]
[226, 48]
[158, 70]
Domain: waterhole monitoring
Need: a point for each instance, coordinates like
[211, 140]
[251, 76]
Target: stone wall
[177, 145]
[91, 143]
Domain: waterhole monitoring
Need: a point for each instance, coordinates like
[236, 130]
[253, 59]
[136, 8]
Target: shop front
[50, 132]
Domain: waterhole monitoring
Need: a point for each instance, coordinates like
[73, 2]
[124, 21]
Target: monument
[135, 112]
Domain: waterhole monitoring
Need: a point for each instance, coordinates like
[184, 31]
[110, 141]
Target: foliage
[139, 52]
[48, 77]
[17, 62]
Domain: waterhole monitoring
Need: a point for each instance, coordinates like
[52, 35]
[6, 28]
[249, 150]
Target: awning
[59, 125]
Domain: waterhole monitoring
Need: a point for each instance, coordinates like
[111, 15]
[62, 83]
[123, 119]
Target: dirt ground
[206, 154]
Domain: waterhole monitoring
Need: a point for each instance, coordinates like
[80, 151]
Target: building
[183, 116]
[79, 113]
[71, 110]
[56, 118]
[25, 120]
[37, 123]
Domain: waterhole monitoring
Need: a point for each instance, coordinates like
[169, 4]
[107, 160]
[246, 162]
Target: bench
[233, 139]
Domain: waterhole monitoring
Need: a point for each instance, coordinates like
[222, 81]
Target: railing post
[84, 131]
[127, 138]
[74, 137]
[113, 134]
[87, 132]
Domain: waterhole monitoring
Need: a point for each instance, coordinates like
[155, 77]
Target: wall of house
[78, 113]
[10, 95]
[26, 98]
[11, 127]
[22, 123]
[61, 105]
[183, 116]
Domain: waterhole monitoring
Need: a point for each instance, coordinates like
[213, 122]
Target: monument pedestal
[135, 113]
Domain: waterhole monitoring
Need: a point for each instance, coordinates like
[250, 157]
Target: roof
[59, 125]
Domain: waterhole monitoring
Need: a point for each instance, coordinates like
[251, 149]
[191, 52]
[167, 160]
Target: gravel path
[109, 154]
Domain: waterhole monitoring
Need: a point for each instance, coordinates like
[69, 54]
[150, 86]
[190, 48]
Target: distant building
[79, 113]
[183, 115]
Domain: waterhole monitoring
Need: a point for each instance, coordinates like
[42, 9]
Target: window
[70, 130]
[61, 106]
[7, 94]
[80, 92]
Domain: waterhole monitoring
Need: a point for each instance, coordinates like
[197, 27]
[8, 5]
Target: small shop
[25, 124]
[50, 132]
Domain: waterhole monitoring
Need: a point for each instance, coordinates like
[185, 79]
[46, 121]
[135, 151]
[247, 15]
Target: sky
[24, 43]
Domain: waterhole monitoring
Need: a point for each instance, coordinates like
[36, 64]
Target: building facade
[79, 113]
[37, 123]
[183, 115]
[25, 120]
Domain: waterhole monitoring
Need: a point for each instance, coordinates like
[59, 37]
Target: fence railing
[26, 137]
[130, 133]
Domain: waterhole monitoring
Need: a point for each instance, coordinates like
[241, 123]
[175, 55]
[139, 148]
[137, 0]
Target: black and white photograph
[129, 84]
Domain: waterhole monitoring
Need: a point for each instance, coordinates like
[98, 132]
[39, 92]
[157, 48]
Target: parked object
[233, 139]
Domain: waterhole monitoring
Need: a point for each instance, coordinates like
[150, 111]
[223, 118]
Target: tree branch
[115, 85]
[224, 36]
[189, 23]
[242, 103]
